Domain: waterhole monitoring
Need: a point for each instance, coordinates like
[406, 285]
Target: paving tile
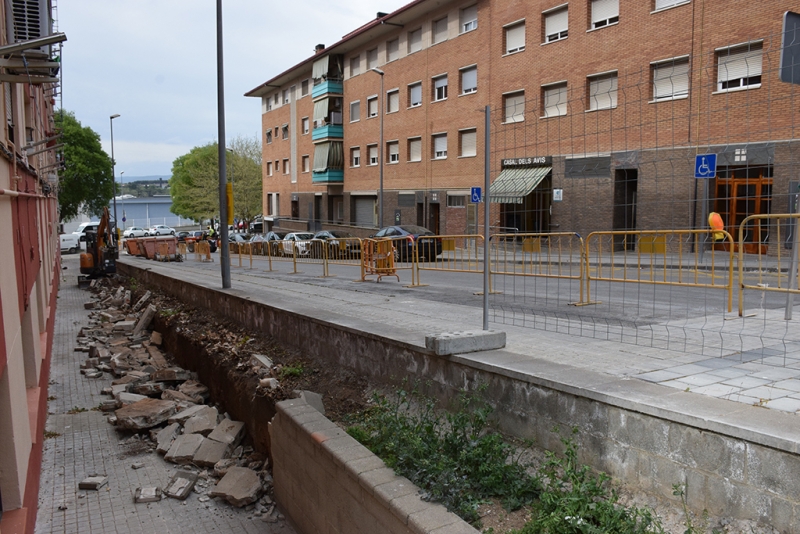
[716, 363]
[717, 390]
[784, 404]
[687, 369]
[777, 374]
[766, 392]
[658, 376]
[746, 382]
[700, 379]
[729, 372]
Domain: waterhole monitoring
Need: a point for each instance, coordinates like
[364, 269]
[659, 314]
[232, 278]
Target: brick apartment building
[598, 109]
[30, 262]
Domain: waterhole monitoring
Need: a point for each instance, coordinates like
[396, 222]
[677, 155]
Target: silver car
[299, 241]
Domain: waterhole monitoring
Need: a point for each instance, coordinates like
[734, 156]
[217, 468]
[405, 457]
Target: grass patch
[293, 370]
[50, 435]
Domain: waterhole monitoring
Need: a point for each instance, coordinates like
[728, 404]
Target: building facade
[31, 262]
[600, 111]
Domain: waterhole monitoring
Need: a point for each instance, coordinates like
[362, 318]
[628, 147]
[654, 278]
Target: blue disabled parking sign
[705, 166]
[475, 195]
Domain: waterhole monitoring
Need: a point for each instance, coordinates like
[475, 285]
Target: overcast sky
[154, 63]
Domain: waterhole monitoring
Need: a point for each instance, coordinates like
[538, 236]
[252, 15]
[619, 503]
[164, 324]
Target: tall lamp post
[113, 172]
[122, 199]
[380, 152]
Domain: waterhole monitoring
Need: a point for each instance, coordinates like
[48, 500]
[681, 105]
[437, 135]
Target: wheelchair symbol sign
[705, 166]
[475, 195]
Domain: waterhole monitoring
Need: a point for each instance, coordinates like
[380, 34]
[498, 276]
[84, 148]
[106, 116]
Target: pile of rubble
[165, 406]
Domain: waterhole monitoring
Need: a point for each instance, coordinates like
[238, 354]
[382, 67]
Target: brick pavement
[87, 444]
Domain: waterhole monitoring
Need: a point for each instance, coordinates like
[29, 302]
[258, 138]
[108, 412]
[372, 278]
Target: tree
[87, 183]
[194, 184]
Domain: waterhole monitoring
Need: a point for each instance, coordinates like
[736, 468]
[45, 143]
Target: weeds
[292, 370]
[169, 312]
[49, 434]
[679, 490]
[76, 409]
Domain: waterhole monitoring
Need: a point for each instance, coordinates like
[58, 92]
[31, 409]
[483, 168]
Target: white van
[81, 231]
[70, 243]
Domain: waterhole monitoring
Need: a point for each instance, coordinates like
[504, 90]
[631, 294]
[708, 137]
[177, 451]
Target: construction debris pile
[166, 408]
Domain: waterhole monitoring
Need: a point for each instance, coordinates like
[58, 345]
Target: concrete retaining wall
[328, 482]
[642, 434]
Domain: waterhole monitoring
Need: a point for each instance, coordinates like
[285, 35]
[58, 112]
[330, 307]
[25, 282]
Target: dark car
[340, 244]
[274, 239]
[428, 249]
[185, 237]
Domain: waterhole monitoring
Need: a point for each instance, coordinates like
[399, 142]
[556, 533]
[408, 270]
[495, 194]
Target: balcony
[328, 87]
[330, 176]
[334, 131]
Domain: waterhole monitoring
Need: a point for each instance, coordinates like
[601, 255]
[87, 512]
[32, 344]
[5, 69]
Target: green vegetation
[679, 490]
[76, 409]
[294, 370]
[48, 434]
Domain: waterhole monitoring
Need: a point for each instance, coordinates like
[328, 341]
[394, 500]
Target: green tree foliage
[87, 182]
[194, 184]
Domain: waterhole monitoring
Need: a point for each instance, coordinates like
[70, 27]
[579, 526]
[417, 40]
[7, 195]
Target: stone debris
[93, 482]
[184, 415]
[229, 432]
[171, 394]
[145, 414]
[312, 399]
[240, 486]
[144, 320]
[137, 465]
[181, 485]
[166, 436]
[147, 494]
[210, 452]
[195, 390]
[184, 448]
[203, 422]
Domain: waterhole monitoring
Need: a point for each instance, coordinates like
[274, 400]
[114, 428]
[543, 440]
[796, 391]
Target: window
[415, 41]
[285, 166]
[392, 101]
[355, 111]
[372, 151]
[355, 65]
[664, 4]
[372, 106]
[671, 79]
[603, 91]
[740, 155]
[275, 98]
[306, 164]
[415, 94]
[415, 149]
[469, 80]
[372, 58]
[468, 19]
[514, 106]
[556, 25]
[285, 132]
[604, 12]
[440, 88]
[440, 30]
[304, 88]
[739, 67]
[554, 98]
[393, 151]
[456, 201]
[515, 38]
[304, 124]
[285, 96]
[269, 168]
[268, 136]
[468, 143]
[392, 49]
[277, 166]
[440, 146]
[355, 157]
[268, 103]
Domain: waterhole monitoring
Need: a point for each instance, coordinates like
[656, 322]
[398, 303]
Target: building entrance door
[741, 192]
[626, 182]
[433, 218]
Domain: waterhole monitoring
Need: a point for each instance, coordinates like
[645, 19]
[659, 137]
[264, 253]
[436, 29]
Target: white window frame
[304, 125]
[411, 87]
[517, 116]
[458, 201]
[464, 134]
[668, 68]
[439, 89]
[370, 101]
[468, 69]
[560, 108]
[269, 168]
[306, 163]
[393, 94]
[285, 132]
[436, 139]
[372, 160]
[439, 30]
[412, 142]
[599, 89]
[560, 31]
[304, 85]
[731, 59]
[357, 105]
[513, 41]
[414, 41]
[467, 21]
[286, 166]
[661, 5]
[355, 156]
[268, 136]
[393, 152]
[604, 13]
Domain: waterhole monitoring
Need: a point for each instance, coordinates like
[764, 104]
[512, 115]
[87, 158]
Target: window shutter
[556, 22]
[468, 143]
[440, 145]
[603, 92]
[515, 38]
[515, 108]
[372, 107]
[415, 150]
[320, 112]
[320, 157]
[392, 49]
[604, 9]
[416, 94]
[373, 155]
[320, 69]
[356, 155]
[355, 65]
[670, 80]
[355, 111]
[469, 80]
[415, 41]
[394, 101]
[440, 82]
[555, 101]
[661, 4]
[394, 150]
[741, 63]
[469, 18]
[372, 58]
[440, 30]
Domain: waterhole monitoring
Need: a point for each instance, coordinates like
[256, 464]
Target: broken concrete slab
[259, 360]
[108, 405]
[171, 374]
[144, 414]
[203, 422]
[165, 437]
[229, 432]
[157, 356]
[147, 494]
[240, 486]
[184, 448]
[93, 373]
[195, 390]
[125, 398]
[144, 320]
[184, 415]
[221, 467]
[128, 380]
[124, 326]
[175, 395]
[211, 452]
[149, 389]
[93, 482]
[180, 485]
[312, 399]
[466, 341]
[141, 301]
[155, 338]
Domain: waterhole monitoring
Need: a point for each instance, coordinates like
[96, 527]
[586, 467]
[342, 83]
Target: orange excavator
[100, 258]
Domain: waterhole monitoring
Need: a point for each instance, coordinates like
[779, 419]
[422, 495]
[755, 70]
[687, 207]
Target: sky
[154, 63]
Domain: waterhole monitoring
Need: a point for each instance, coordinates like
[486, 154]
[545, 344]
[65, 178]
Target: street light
[380, 152]
[122, 198]
[113, 172]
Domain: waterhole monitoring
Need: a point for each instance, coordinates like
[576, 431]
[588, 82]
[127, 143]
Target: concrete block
[184, 415]
[465, 341]
[177, 396]
[211, 452]
[155, 338]
[146, 413]
[203, 422]
[435, 516]
[166, 436]
[93, 482]
[312, 399]
[180, 485]
[195, 390]
[171, 374]
[259, 360]
[141, 302]
[124, 326]
[240, 486]
[125, 398]
[147, 494]
[144, 320]
[184, 448]
[149, 389]
[228, 432]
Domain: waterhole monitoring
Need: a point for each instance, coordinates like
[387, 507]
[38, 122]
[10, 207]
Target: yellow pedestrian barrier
[377, 258]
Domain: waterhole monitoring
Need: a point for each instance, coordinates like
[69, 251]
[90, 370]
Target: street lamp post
[122, 199]
[113, 172]
[381, 148]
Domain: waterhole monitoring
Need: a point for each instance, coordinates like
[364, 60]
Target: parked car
[84, 227]
[299, 241]
[70, 243]
[135, 231]
[428, 250]
[274, 239]
[161, 229]
[238, 238]
[340, 244]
